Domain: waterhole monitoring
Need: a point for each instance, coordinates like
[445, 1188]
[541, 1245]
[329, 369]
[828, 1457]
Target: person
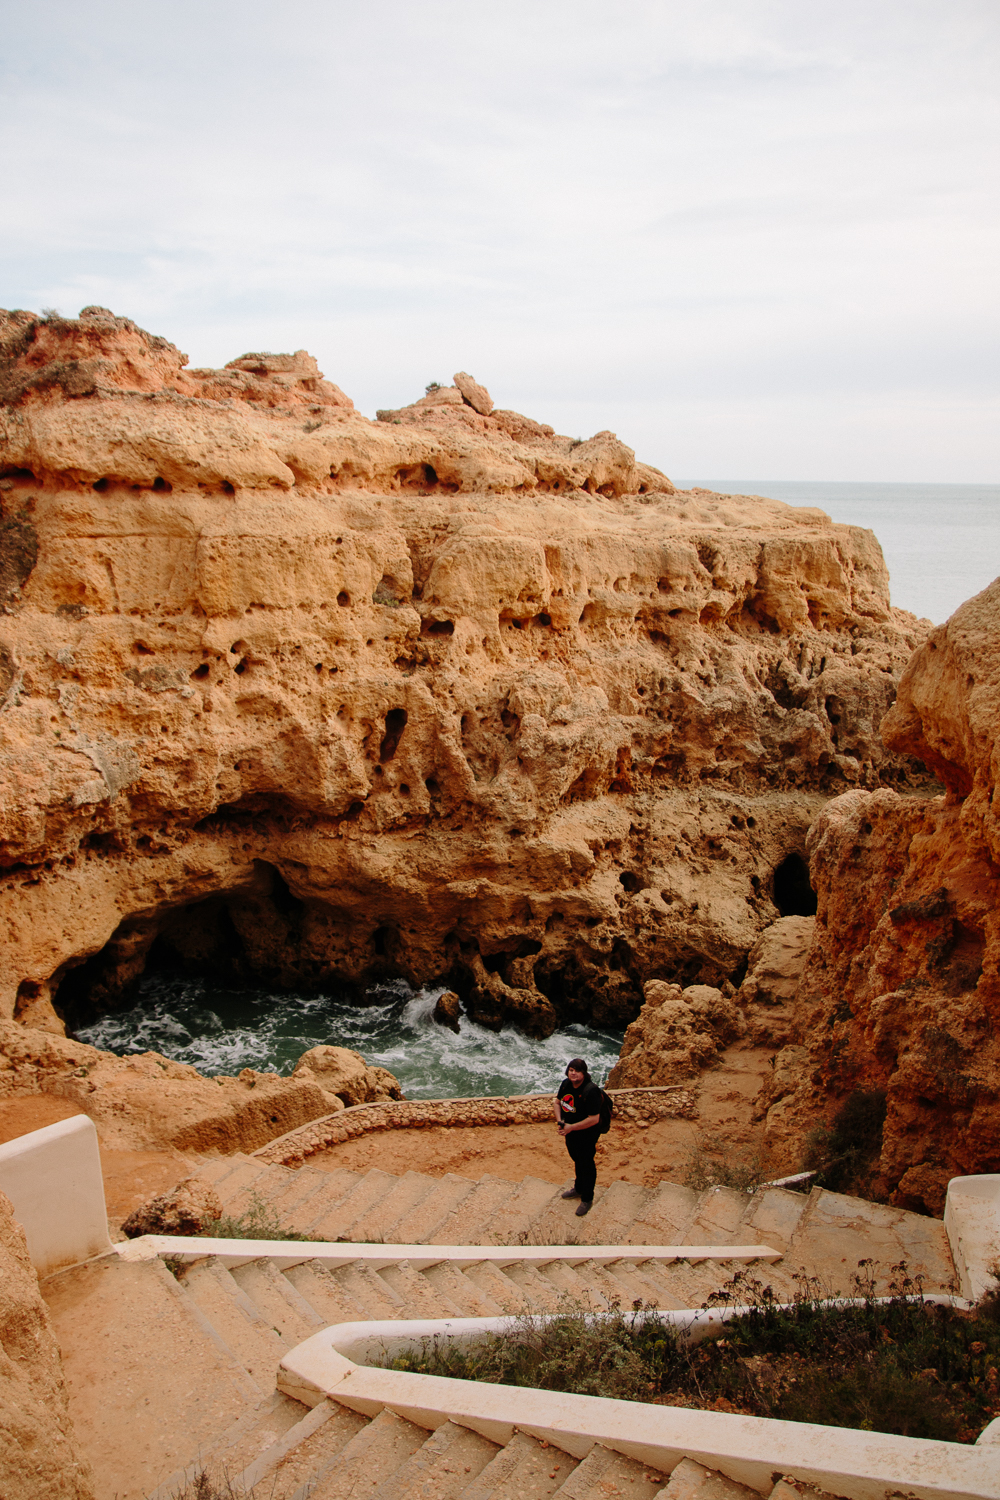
[578, 1115]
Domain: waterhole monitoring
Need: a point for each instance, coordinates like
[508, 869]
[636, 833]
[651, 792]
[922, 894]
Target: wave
[223, 1031]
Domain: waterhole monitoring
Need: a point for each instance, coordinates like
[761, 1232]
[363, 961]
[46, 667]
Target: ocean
[941, 542]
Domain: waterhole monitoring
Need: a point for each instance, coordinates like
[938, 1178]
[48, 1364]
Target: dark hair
[579, 1066]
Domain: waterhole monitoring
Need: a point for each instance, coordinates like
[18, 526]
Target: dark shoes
[571, 1194]
[584, 1208]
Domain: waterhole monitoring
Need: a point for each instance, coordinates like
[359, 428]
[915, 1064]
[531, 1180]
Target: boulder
[448, 1010]
[185, 1209]
[476, 395]
[344, 1075]
[775, 966]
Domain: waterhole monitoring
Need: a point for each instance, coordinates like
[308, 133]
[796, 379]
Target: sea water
[941, 542]
[223, 1030]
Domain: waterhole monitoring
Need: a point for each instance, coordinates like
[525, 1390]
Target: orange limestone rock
[901, 985]
[307, 699]
[38, 1457]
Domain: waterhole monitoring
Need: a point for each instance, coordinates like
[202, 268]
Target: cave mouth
[793, 895]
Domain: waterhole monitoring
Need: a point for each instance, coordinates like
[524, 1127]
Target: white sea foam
[222, 1031]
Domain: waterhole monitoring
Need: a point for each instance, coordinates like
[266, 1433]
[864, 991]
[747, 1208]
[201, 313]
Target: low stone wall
[291, 1150]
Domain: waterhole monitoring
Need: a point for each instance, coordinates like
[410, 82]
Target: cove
[222, 1030]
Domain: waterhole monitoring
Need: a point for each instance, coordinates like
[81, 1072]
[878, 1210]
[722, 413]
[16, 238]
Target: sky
[753, 237]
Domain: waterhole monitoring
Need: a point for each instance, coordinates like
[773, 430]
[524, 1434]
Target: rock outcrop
[189, 1208]
[38, 1459]
[676, 1033]
[151, 1101]
[901, 988]
[344, 1075]
[300, 697]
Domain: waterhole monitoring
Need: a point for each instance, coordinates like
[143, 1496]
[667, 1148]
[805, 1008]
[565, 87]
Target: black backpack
[606, 1111]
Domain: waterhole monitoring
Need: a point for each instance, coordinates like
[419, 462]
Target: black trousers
[581, 1145]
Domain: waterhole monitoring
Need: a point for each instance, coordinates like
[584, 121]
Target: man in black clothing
[578, 1115]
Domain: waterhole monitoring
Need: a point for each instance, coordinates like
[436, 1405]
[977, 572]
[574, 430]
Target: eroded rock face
[902, 979]
[343, 1073]
[38, 1459]
[310, 699]
[676, 1034]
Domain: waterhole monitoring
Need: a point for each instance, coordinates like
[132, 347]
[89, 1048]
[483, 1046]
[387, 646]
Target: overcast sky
[757, 238]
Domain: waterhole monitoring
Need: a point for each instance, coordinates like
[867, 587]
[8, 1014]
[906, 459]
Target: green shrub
[900, 1366]
[258, 1222]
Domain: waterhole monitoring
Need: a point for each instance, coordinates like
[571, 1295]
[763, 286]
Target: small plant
[258, 1222]
[435, 385]
[205, 1486]
[705, 1171]
[384, 596]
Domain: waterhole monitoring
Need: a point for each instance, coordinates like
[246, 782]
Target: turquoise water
[221, 1031]
[941, 542]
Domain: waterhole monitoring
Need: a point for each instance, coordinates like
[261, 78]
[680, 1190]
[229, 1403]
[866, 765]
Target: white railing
[53, 1180]
[754, 1451]
[972, 1222]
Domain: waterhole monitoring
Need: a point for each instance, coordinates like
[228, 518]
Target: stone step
[717, 1217]
[606, 1475]
[503, 1289]
[456, 1287]
[513, 1220]
[450, 1459]
[126, 1330]
[334, 1215]
[465, 1225]
[419, 1298]
[235, 1317]
[331, 1301]
[232, 1185]
[261, 1191]
[522, 1470]
[371, 1457]
[277, 1301]
[444, 1197]
[295, 1204]
[771, 1218]
[836, 1232]
[377, 1224]
[611, 1219]
[296, 1461]
[690, 1481]
[240, 1445]
[367, 1287]
[576, 1290]
[220, 1167]
[663, 1216]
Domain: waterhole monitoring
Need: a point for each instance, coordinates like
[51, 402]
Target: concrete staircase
[820, 1234]
[168, 1374]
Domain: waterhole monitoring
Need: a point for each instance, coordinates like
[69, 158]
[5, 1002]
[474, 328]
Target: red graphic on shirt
[568, 1103]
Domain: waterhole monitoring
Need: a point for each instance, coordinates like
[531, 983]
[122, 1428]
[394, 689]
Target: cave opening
[792, 893]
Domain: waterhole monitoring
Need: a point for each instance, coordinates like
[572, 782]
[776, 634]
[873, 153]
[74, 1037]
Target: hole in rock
[240, 667]
[160, 484]
[792, 893]
[630, 881]
[201, 672]
[395, 723]
[433, 785]
[439, 627]
[343, 598]
[100, 485]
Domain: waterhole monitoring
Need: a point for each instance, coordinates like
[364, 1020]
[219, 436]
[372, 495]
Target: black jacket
[578, 1103]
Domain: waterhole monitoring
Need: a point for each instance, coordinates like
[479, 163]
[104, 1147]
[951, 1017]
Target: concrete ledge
[53, 1179]
[751, 1450]
[972, 1222]
[288, 1253]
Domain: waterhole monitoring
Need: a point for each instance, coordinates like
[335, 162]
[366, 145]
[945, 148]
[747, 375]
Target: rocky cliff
[901, 990]
[38, 1460]
[293, 694]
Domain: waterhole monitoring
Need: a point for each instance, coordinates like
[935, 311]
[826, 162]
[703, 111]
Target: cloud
[653, 216]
